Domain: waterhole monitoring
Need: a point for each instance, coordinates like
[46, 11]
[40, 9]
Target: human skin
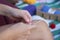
[14, 12]
[38, 30]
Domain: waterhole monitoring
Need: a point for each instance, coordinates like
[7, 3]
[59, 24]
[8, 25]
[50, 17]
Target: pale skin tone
[22, 31]
[18, 30]
[15, 13]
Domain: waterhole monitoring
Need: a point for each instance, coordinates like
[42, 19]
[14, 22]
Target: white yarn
[36, 17]
[51, 11]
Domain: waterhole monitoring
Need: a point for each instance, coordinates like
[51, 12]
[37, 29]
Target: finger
[29, 16]
[26, 18]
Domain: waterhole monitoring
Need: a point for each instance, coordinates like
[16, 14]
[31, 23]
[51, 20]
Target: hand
[23, 14]
[9, 11]
[18, 31]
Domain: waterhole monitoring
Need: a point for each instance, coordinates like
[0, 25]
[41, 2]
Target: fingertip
[26, 19]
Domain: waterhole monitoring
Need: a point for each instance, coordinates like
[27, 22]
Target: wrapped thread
[30, 1]
[49, 10]
[31, 9]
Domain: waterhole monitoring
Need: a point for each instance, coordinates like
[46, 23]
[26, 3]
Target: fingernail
[27, 21]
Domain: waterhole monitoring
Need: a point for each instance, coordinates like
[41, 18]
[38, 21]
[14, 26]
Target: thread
[31, 9]
[50, 10]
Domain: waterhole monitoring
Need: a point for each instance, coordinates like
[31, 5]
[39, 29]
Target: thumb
[26, 19]
[22, 27]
